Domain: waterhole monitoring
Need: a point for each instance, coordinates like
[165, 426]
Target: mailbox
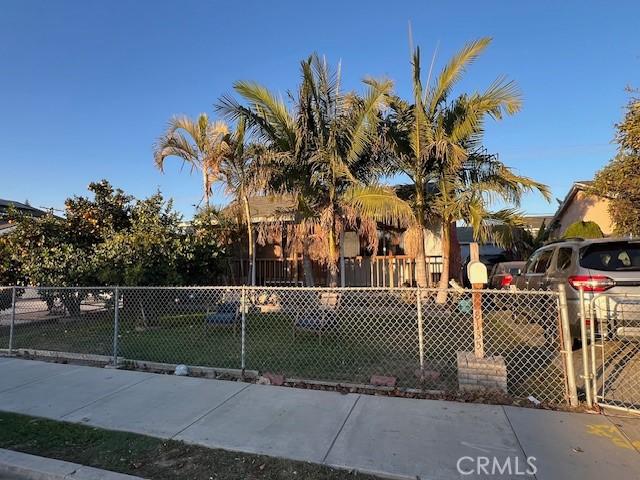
[477, 272]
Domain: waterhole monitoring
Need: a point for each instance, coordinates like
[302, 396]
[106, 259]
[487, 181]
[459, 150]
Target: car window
[611, 257]
[543, 261]
[531, 263]
[563, 262]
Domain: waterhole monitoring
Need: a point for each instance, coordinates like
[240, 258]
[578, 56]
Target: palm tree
[321, 139]
[200, 143]
[437, 143]
[244, 172]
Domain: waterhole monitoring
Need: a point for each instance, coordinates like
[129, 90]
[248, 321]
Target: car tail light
[506, 280]
[591, 283]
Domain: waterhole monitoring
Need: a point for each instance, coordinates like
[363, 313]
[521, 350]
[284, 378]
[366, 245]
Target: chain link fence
[613, 361]
[338, 335]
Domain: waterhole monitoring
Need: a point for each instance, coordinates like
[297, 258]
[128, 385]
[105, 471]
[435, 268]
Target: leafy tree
[581, 229]
[146, 253]
[44, 253]
[108, 239]
[199, 143]
[203, 249]
[437, 143]
[10, 273]
[620, 179]
[91, 220]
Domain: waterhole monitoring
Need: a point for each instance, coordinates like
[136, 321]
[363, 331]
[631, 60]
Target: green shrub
[583, 230]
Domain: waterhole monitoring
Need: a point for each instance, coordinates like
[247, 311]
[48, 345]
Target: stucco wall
[587, 208]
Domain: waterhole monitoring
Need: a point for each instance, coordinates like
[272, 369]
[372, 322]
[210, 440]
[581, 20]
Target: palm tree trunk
[205, 185]
[333, 265]
[421, 260]
[455, 260]
[307, 266]
[446, 257]
[247, 214]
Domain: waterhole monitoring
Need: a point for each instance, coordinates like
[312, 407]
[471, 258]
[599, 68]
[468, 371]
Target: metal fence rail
[339, 334]
[612, 328]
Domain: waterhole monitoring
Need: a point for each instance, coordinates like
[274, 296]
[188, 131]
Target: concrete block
[274, 378]
[488, 372]
[383, 381]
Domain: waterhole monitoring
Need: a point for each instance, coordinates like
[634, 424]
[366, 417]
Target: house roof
[5, 205]
[578, 186]
[270, 208]
[536, 221]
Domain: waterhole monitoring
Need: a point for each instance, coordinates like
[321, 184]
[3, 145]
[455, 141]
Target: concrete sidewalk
[393, 437]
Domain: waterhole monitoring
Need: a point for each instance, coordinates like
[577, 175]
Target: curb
[30, 467]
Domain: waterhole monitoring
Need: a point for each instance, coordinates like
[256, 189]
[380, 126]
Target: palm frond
[270, 108]
[453, 71]
[363, 122]
[379, 203]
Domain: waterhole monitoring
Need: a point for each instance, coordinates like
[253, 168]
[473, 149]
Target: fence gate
[613, 359]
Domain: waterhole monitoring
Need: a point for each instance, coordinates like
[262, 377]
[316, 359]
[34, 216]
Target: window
[563, 261]
[611, 257]
[531, 263]
[543, 261]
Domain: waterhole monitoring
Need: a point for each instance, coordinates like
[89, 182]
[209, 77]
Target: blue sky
[87, 86]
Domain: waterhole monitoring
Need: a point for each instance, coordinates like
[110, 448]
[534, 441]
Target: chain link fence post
[420, 330]
[243, 309]
[586, 375]
[13, 319]
[116, 321]
[567, 346]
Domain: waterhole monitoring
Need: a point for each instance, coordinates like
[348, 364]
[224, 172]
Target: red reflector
[506, 280]
[591, 283]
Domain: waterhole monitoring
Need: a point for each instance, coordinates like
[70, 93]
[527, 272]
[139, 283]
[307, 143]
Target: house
[277, 263]
[6, 206]
[581, 205]
[533, 223]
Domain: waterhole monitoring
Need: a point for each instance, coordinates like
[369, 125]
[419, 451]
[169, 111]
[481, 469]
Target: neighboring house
[533, 223]
[579, 205]
[22, 208]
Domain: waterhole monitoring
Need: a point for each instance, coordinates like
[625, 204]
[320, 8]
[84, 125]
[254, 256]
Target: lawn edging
[32, 467]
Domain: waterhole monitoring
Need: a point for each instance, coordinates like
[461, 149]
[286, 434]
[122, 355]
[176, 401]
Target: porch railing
[389, 271]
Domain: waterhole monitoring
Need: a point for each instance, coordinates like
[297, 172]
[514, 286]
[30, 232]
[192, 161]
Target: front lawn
[380, 338]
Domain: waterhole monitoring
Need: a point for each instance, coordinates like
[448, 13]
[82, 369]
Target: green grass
[148, 457]
[366, 342]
